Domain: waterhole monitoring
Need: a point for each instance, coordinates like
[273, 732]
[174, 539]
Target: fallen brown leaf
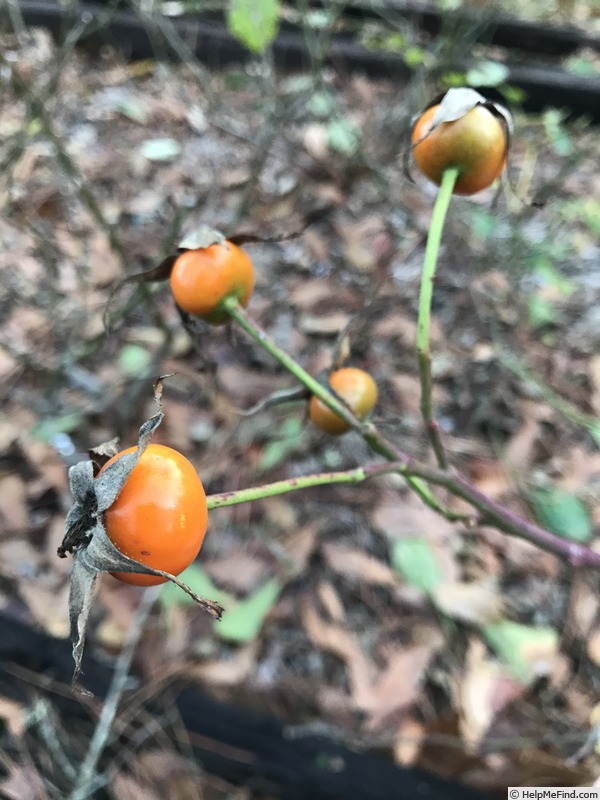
[300, 545]
[398, 685]
[594, 372]
[358, 565]
[237, 570]
[400, 517]
[584, 606]
[339, 641]
[13, 507]
[13, 714]
[474, 603]
[229, 672]
[519, 453]
[307, 295]
[22, 782]
[323, 324]
[408, 741]
[481, 692]
[593, 647]
[331, 602]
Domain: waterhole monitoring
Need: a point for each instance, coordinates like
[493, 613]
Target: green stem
[434, 239]
[367, 430]
[491, 512]
[262, 338]
[304, 482]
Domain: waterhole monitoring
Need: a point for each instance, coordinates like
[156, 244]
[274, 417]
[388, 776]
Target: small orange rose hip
[476, 144]
[356, 387]
[202, 279]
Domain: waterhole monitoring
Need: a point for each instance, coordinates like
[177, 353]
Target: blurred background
[353, 612]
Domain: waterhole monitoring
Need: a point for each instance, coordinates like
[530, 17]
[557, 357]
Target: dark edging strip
[211, 43]
[242, 747]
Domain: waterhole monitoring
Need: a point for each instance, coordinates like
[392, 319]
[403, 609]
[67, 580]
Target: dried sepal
[86, 538]
[201, 237]
[102, 453]
[455, 104]
[276, 398]
[459, 101]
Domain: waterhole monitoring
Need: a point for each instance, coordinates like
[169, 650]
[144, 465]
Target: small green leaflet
[562, 513]
[160, 149]
[254, 22]
[342, 136]
[200, 583]
[285, 443]
[526, 649]
[134, 360]
[242, 622]
[415, 560]
[487, 73]
[46, 429]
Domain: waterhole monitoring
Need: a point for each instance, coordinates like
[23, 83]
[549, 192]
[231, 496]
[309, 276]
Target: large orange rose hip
[160, 516]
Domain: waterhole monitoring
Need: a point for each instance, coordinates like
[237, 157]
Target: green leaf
[342, 136]
[321, 104]
[562, 513]
[254, 22]
[415, 560]
[243, 622]
[388, 42]
[560, 140]
[547, 272]
[134, 360]
[320, 19]
[487, 73]
[47, 429]
[200, 583]
[415, 57]
[160, 149]
[513, 95]
[483, 222]
[541, 312]
[34, 126]
[279, 449]
[133, 110]
[526, 649]
[454, 79]
[585, 210]
[582, 66]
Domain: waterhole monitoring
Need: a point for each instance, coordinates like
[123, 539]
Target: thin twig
[365, 429]
[85, 780]
[418, 475]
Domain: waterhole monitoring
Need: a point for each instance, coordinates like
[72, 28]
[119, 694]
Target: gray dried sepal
[81, 479]
[455, 104]
[202, 237]
[102, 452]
[108, 484]
[81, 595]
[507, 119]
[102, 556]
